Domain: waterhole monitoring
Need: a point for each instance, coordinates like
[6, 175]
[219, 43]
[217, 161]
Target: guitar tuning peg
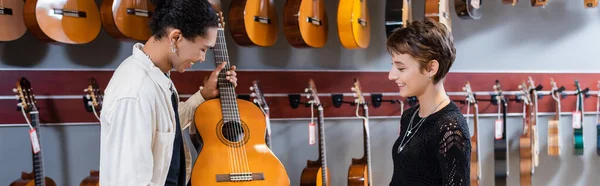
[356, 100]
[251, 88]
[255, 100]
[90, 103]
[87, 96]
[306, 90]
[307, 95]
[14, 90]
[253, 94]
[16, 96]
[86, 90]
[353, 89]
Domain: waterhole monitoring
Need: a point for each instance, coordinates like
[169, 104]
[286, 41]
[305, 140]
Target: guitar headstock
[498, 92]
[216, 5]
[525, 93]
[312, 90]
[26, 98]
[470, 96]
[358, 95]
[259, 96]
[93, 97]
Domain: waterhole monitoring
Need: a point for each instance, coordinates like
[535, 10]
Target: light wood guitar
[511, 2]
[27, 104]
[259, 99]
[127, 19]
[253, 22]
[468, 9]
[233, 130]
[360, 172]
[475, 165]
[539, 3]
[354, 25]
[554, 141]
[398, 14]
[534, 97]
[439, 10]
[11, 20]
[590, 3]
[93, 103]
[526, 140]
[316, 173]
[305, 23]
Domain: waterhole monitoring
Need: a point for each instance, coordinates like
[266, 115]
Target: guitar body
[46, 22]
[305, 23]
[578, 139]
[358, 173]
[598, 139]
[397, 14]
[468, 9]
[215, 157]
[311, 174]
[28, 179]
[590, 3]
[526, 163]
[512, 2]
[474, 164]
[353, 22]
[553, 137]
[253, 22]
[11, 20]
[538, 3]
[92, 180]
[127, 19]
[439, 10]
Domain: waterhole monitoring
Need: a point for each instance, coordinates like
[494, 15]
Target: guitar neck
[228, 97]
[322, 150]
[367, 142]
[38, 165]
[475, 120]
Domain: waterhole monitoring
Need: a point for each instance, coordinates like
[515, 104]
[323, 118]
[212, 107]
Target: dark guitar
[316, 172]
[11, 20]
[262, 103]
[92, 101]
[305, 23]
[27, 104]
[590, 3]
[578, 122]
[127, 19]
[475, 165]
[253, 22]
[526, 139]
[360, 172]
[468, 9]
[598, 121]
[397, 14]
[501, 157]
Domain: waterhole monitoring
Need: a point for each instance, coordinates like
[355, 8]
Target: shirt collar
[154, 72]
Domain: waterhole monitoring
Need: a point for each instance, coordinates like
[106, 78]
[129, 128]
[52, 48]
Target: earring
[173, 49]
[429, 77]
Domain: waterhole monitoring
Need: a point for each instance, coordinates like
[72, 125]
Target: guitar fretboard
[226, 89]
[322, 151]
[38, 165]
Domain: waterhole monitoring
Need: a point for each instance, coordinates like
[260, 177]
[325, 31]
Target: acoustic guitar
[259, 99]
[501, 157]
[554, 141]
[590, 3]
[526, 139]
[398, 14]
[354, 25]
[127, 19]
[578, 121]
[538, 3]
[305, 23]
[69, 21]
[27, 104]
[316, 173]
[232, 129]
[475, 165]
[92, 101]
[360, 172]
[468, 9]
[253, 22]
[11, 20]
[598, 121]
[534, 98]
[511, 2]
[439, 10]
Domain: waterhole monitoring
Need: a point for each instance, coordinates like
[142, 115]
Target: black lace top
[438, 154]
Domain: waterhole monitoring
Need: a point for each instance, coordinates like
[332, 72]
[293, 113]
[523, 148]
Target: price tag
[499, 129]
[576, 120]
[34, 141]
[311, 133]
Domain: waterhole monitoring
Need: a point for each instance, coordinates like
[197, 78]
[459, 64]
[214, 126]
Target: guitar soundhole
[233, 133]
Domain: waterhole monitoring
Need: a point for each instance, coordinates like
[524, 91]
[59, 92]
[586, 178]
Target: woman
[434, 146]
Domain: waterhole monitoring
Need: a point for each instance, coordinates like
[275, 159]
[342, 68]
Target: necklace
[417, 126]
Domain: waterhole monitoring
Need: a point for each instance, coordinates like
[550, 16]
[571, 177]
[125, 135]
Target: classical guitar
[554, 142]
[27, 104]
[305, 23]
[397, 15]
[468, 9]
[11, 20]
[439, 10]
[534, 98]
[92, 100]
[526, 139]
[598, 121]
[354, 25]
[578, 121]
[538, 3]
[360, 171]
[259, 99]
[475, 165]
[501, 157]
[511, 2]
[69, 21]
[253, 22]
[233, 130]
[127, 19]
[590, 3]
[316, 173]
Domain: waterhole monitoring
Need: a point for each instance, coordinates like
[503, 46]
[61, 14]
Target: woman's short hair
[192, 17]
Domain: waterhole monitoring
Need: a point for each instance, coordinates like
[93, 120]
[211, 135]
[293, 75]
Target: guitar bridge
[362, 22]
[70, 13]
[5, 11]
[239, 177]
[314, 21]
[139, 12]
[264, 20]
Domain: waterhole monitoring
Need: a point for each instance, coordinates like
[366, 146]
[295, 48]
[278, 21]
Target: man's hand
[210, 89]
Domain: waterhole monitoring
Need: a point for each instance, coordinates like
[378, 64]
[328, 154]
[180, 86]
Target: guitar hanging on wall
[511, 2]
[11, 20]
[253, 22]
[305, 23]
[468, 9]
[475, 164]
[501, 157]
[598, 121]
[316, 173]
[578, 122]
[539, 3]
[354, 25]
[27, 104]
[127, 19]
[534, 98]
[398, 14]
[590, 3]
[92, 101]
[439, 10]
[262, 103]
[526, 139]
[554, 142]
[360, 171]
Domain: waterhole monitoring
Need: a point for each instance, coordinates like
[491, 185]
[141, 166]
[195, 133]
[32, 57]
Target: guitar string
[232, 151]
[366, 125]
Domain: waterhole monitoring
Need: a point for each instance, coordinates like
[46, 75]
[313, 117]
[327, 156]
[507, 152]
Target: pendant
[400, 149]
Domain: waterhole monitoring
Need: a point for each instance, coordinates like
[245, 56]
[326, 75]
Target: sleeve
[127, 157]
[188, 108]
[454, 153]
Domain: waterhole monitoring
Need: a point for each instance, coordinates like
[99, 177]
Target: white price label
[311, 133]
[35, 144]
[576, 120]
[499, 129]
